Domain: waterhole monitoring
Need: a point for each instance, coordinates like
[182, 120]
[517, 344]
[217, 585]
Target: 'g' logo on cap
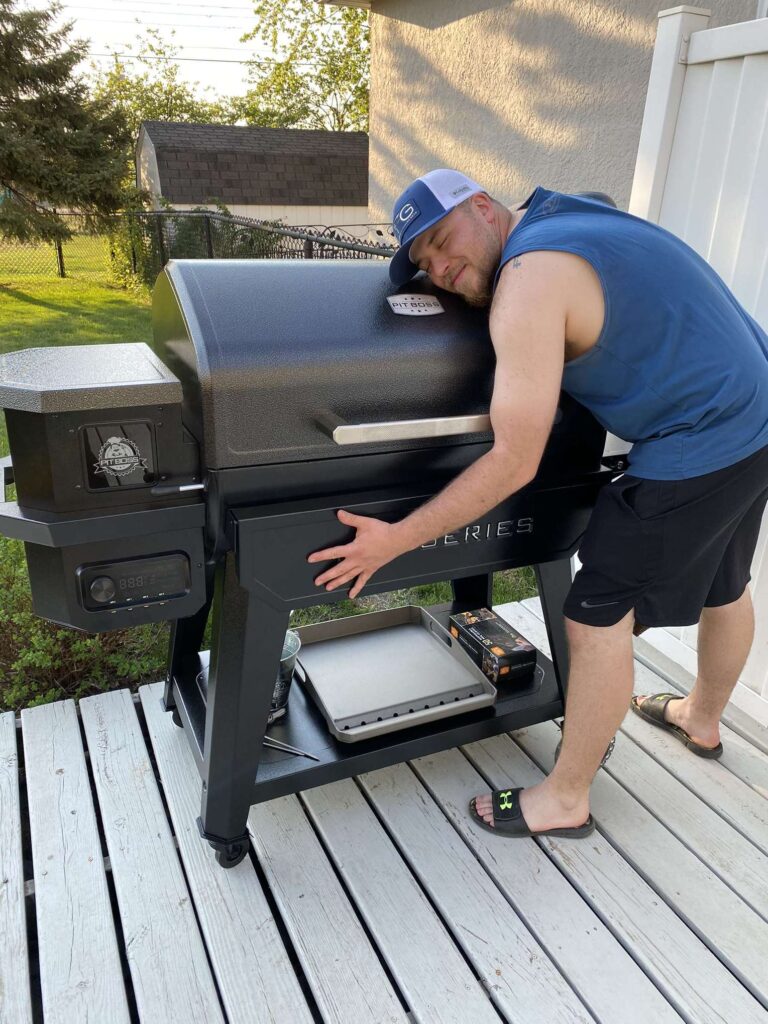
[403, 218]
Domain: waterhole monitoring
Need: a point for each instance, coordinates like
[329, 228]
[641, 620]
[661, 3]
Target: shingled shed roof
[291, 166]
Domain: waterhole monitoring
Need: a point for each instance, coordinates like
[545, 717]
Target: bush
[133, 263]
[137, 257]
[42, 662]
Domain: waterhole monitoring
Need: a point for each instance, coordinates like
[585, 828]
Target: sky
[206, 36]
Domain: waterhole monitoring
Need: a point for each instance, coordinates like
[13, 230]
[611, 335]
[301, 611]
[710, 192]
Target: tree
[319, 77]
[58, 146]
[156, 92]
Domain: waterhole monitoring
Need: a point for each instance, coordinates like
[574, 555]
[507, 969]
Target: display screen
[111, 584]
[156, 577]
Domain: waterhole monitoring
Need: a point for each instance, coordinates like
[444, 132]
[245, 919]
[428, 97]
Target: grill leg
[554, 582]
[185, 642]
[473, 591]
[247, 643]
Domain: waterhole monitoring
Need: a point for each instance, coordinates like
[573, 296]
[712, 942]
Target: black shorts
[669, 548]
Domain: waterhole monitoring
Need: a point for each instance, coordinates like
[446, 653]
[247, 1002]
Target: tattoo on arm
[516, 261]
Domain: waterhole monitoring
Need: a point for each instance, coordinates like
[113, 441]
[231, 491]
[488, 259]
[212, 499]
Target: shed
[294, 175]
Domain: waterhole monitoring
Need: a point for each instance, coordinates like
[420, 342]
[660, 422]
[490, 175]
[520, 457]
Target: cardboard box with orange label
[500, 651]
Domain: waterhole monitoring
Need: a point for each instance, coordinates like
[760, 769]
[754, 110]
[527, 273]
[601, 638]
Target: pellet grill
[193, 478]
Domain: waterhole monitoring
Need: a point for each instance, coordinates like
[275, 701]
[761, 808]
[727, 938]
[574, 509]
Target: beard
[478, 299]
[484, 267]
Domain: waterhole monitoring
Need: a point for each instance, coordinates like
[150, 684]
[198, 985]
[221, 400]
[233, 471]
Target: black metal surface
[59, 531]
[74, 378]
[64, 462]
[243, 773]
[6, 465]
[262, 349]
[55, 575]
[573, 449]
[538, 524]
[279, 773]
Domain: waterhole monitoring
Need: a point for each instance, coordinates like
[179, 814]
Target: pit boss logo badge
[119, 456]
[415, 305]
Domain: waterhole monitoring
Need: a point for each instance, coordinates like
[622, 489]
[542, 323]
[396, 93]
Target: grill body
[192, 480]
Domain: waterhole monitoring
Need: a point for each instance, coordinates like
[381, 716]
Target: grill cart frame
[222, 698]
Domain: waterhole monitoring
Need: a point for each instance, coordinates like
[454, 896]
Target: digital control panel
[134, 581]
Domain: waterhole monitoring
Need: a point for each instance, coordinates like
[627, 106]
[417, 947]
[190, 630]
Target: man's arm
[527, 326]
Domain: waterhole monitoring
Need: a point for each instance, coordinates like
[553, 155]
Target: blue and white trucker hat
[424, 203]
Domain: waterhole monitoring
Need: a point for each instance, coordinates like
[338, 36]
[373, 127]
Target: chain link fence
[84, 255]
[140, 244]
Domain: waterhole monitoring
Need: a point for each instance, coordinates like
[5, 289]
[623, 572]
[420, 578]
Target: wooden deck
[375, 899]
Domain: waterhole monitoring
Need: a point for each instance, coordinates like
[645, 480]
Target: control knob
[102, 589]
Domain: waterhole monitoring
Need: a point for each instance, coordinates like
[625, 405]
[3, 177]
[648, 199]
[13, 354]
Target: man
[636, 326]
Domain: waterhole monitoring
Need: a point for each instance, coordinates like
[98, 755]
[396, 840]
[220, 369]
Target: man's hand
[375, 544]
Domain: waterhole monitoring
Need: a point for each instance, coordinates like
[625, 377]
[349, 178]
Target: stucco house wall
[515, 94]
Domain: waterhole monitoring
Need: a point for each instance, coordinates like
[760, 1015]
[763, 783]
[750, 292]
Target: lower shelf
[527, 702]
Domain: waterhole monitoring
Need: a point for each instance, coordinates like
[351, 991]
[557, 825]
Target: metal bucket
[291, 648]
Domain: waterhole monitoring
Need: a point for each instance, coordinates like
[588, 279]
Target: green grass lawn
[85, 256]
[69, 311]
[36, 312]
[41, 662]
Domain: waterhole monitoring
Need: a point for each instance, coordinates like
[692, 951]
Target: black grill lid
[272, 354]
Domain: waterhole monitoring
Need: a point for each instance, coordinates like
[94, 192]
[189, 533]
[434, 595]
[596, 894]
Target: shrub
[137, 256]
[42, 662]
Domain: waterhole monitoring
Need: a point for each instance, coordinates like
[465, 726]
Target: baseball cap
[426, 201]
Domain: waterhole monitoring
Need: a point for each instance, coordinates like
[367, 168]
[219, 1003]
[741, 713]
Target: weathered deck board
[171, 977]
[736, 934]
[343, 970]
[735, 801]
[739, 863]
[661, 943]
[15, 995]
[523, 980]
[393, 905]
[80, 973]
[255, 976]
[742, 758]
[431, 973]
[713, 781]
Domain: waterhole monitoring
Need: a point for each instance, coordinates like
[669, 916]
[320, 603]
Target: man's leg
[725, 638]
[599, 689]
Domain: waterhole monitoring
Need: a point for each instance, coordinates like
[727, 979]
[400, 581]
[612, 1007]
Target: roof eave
[366, 4]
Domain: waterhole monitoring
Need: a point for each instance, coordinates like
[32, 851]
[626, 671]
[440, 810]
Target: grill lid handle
[401, 430]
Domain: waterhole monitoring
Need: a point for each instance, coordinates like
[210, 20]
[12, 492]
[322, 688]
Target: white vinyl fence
[702, 173]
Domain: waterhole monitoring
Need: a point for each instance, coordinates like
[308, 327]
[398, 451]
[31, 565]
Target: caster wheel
[606, 755]
[176, 718]
[232, 856]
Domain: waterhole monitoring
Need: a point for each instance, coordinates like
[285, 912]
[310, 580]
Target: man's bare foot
[676, 712]
[542, 808]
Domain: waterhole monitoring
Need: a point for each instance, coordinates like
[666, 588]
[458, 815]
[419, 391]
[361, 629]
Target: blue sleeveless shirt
[680, 368]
